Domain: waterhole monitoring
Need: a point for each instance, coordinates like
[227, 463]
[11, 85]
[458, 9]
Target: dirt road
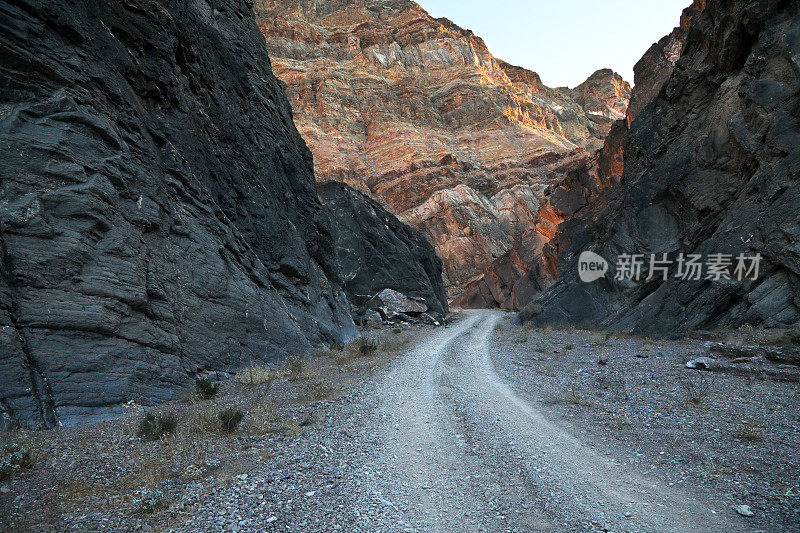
[464, 452]
[435, 440]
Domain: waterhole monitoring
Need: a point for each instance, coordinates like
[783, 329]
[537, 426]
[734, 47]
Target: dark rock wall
[376, 251]
[158, 213]
[711, 166]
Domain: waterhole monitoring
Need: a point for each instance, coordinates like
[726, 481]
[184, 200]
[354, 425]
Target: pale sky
[564, 41]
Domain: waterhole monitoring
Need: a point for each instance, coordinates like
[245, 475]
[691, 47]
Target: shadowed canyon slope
[375, 251]
[711, 166]
[416, 112]
[159, 215]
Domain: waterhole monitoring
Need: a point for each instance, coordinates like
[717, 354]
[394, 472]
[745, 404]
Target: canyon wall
[375, 251]
[711, 166]
[415, 112]
[159, 216]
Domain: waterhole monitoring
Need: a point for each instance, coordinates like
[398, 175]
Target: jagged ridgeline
[158, 216]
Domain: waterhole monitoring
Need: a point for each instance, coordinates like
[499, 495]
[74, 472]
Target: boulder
[701, 363]
[396, 302]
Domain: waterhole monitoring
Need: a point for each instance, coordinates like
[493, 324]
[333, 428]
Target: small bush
[696, 386]
[316, 391]
[748, 431]
[205, 389]
[230, 419]
[367, 346]
[795, 339]
[574, 398]
[337, 347]
[293, 366]
[13, 458]
[263, 415]
[540, 346]
[155, 428]
[147, 500]
[202, 421]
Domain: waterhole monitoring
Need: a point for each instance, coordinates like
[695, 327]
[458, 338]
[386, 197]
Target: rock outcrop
[375, 251]
[711, 166]
[655, 67]
[530, 266]
[159, 216]
[416, 112]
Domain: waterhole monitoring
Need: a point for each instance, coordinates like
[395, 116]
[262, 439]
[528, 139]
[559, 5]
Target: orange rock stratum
[416, 112]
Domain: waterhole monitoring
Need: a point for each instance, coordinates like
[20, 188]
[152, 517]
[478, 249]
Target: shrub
[155, 428]
[230, 419]
[147, 500]
[337, 347]
[316, 391]
[367, 346]
[205, 388]
[749, 432]
[696, 386]
[13, 458]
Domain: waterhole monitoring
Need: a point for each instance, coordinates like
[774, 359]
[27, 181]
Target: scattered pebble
[744, 510]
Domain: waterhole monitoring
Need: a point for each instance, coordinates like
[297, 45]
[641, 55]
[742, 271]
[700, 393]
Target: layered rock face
[531, 265]
[520, 275]
[415, 112]
[711, 166]
[158, 216]
[375, 251]
[649, 75]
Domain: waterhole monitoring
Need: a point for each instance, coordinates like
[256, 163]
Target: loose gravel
[478, 426]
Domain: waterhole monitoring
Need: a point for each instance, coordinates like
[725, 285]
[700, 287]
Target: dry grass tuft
[263, 416]
[696, 386]
[316, 391]
[293, 367]
[748, 431]
[572, 397]
[256, 375]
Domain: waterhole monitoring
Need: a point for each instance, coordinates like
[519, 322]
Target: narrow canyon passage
[464, 452]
